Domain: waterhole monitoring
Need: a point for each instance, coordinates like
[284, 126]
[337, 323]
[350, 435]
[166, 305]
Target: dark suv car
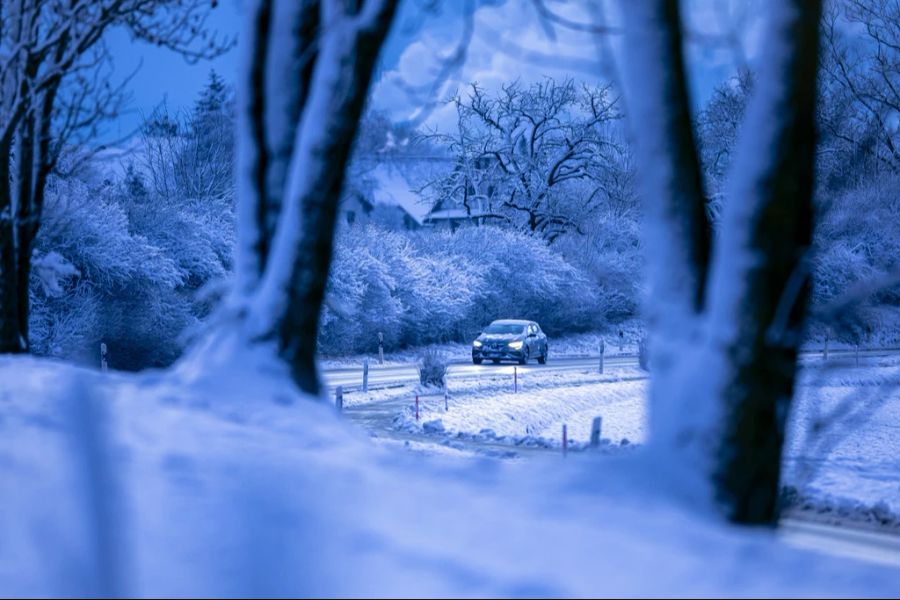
[510, 340]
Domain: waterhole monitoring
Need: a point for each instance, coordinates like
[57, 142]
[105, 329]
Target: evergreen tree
[213, 98]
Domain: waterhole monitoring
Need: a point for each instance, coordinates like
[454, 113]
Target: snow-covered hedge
[427, 287]
[125, 269]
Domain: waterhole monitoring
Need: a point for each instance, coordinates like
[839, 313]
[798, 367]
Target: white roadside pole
[366, 374]
[103, 364]
[602, 351]
[380, 348]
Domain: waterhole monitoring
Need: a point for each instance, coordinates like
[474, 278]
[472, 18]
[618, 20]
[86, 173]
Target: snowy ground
[843, 453]
[844, 439]
[204, 482]
[542, 404]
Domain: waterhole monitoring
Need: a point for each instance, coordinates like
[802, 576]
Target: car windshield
[504, 329]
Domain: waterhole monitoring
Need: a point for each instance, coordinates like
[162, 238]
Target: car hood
[499, 337]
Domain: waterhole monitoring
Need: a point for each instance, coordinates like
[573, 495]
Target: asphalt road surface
[351, 377]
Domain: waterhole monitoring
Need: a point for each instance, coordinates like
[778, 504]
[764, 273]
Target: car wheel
[496, 361]
[542, 359]
[524, 358]
[477, 361]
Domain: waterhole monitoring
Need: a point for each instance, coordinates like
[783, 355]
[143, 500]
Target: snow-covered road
[392, 374]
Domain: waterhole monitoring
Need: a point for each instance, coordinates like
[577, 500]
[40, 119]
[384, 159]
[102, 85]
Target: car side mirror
[532, 335]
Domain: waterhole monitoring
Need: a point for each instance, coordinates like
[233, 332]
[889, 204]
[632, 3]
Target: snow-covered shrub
[432, 368]
[425, 287]
[67, 325]
[362, 297]
[644, 354]
[520, 276]
[113, 266]
[857, 250]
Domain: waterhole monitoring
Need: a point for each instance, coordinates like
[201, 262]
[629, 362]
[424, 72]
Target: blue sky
[502, 28]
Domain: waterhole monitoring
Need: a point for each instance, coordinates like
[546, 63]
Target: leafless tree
[53, 67]
[190, 157]
[861, 65]
[540, 157]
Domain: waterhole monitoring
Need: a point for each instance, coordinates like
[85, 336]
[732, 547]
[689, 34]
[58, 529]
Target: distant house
[453, 216]
[454, 213]
[390, 202]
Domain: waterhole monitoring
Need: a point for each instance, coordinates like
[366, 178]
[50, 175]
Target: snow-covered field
[844, 436]
[543, 404]
[207, 482]
[843, 447]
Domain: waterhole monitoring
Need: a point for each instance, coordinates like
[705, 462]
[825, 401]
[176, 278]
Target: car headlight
[515, 345]
[477, 344]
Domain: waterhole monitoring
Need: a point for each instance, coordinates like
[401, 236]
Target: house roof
[447, 214]
[392, 189]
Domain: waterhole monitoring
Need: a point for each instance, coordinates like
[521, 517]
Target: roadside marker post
[417, 407]
[380, 348]
[595, 431]
[565, 441]
[103, 366]
[366, 374]
[339, 398]
[446, 406]
[602, 351]
[515, 380]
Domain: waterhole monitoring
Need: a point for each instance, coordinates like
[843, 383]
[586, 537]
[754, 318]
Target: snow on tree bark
[677, 230]
[281, 45]
[725, 343]
[326, 90]
[759, 286]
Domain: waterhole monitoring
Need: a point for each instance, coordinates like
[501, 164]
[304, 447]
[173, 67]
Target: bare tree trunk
[726, 401]
[25, 220]
[677, 229]
[321, 91]
[677, 198]
[299, 327]
[274, 93]
[773, 205]
[10, 335]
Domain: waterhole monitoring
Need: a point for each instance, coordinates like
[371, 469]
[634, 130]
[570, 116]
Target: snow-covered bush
[857, 251]
[425, 287]
[113, 266]
[432, 368]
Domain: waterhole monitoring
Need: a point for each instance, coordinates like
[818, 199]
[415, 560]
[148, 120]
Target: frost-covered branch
[52, 86]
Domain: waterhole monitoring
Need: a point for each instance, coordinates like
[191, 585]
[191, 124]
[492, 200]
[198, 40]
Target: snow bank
[224, 482]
